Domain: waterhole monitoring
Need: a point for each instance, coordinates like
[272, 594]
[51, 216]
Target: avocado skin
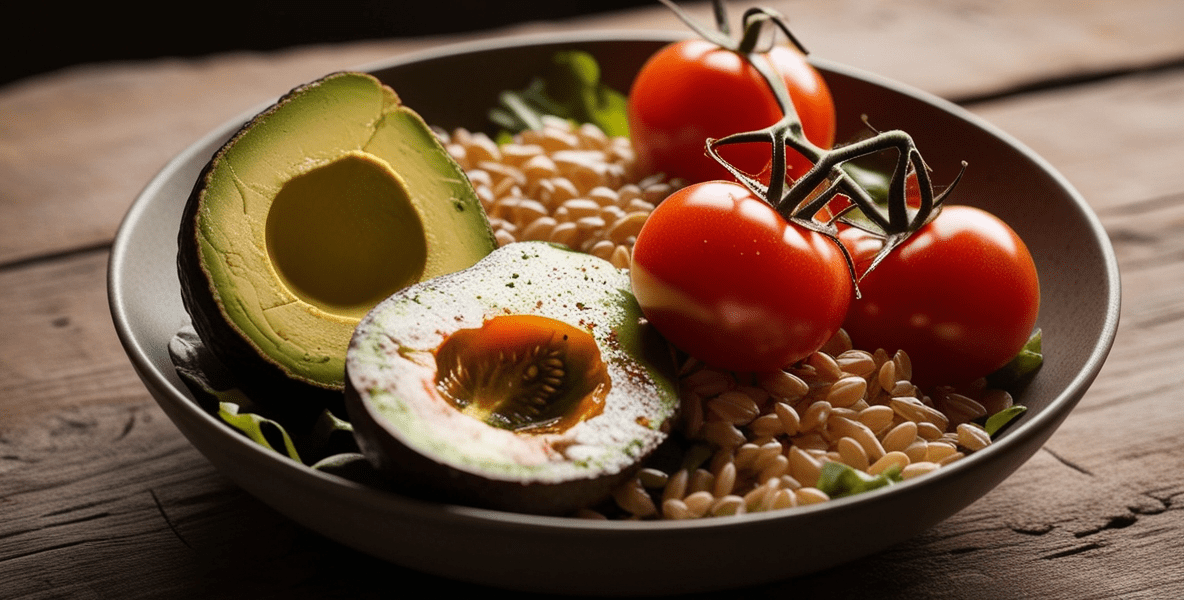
[641, 368]
[411, 473]
[260, 375]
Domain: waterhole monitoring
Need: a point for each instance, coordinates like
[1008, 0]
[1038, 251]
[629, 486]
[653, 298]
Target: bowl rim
[174, 399]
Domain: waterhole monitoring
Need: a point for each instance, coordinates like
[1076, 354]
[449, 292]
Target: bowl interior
[454, 87]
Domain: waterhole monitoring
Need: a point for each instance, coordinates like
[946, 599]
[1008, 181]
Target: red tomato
[726, 279]
[960, 296]
[693, 89]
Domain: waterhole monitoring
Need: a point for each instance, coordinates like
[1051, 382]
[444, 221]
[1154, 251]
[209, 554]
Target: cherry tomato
[960, 296]
[693, 89]
[727, 280]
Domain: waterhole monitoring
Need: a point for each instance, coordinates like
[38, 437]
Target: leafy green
[874, 181]
[312, 440]
[1001, 419]
[1027, 362]
[839, 480]
[570, 88]
[262, 431]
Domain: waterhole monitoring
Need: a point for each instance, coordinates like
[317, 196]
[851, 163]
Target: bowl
[454, 86]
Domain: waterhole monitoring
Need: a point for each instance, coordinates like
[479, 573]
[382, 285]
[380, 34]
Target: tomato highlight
[960, 296]
[695, 89]
[728, 280]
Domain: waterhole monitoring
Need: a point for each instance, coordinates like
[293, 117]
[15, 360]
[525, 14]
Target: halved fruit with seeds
[529, 382]
[524, 373]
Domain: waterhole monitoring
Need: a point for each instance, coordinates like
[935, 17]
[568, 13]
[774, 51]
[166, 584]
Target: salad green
[569, 88]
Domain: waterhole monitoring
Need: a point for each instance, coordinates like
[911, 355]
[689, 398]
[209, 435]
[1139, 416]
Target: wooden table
[101, 497]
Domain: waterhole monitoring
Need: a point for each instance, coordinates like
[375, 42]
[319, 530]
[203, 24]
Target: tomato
[729, 281]
[693, 89]
[960, 296]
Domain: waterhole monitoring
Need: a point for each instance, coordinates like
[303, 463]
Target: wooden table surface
[101, 497]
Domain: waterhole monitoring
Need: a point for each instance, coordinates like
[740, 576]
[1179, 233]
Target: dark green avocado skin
[258, 377]
[432, 457]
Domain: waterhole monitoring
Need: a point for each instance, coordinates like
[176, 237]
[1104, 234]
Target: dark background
[53, 35]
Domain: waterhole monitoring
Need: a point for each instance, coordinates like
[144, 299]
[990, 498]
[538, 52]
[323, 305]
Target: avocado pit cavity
[317, 209]
[525, 373]
[345, 235]
[527, 382]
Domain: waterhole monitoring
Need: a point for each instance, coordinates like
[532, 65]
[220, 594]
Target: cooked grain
[725, 480]
[803, 467]
[825, 365]
[633, 499]
[784, 385]
[917, 450]
[887, 376]
[810, 495]
[699, 503]
[675, 508]
[996, 400]
[929, 431]
[729, 505]
[701, 480]
[846, 391]
[951, 458]
[859, 433]
[877, 418]
[733, 406]
[973, 437]
[892, 459]
[937, 451]
[917, 469]
[788, 417]
[816, 415]
[856, 362]
[722, 434]
[900, 436]
[770, 433]
[852, 453]
[767, 425]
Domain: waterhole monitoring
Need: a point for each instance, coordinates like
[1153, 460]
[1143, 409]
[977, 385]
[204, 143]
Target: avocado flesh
[317, 209]
[410, 424]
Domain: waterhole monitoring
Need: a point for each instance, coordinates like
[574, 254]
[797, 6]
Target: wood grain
[101, 497]
[76, 146]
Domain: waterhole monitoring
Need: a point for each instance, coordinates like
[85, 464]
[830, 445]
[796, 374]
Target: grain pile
[766, 436]
[567, 184]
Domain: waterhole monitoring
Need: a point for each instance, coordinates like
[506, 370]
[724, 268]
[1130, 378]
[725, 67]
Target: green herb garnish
[839, 480]
[1000, 419]
[569, 88]
[1025, 363]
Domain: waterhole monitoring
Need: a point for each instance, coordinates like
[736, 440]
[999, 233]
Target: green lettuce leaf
[262, 431]
[839, 480]
[569, 88]
[305, 440]
[1023, 365]
[1001, 419]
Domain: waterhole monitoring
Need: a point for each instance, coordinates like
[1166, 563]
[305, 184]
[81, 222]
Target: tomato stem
[802, 200]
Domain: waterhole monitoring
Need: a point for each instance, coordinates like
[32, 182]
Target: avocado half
[528, 382]
[315, 210]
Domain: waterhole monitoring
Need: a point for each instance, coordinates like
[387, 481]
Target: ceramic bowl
[454, 86]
